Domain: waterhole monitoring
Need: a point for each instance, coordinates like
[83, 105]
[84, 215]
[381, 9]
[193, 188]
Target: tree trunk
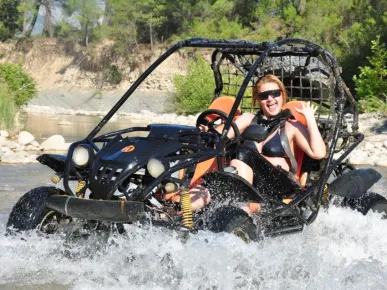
[301, 7]
[33, 22]
[47, 28]
[150, 32]
[87, 35]
[25, 24]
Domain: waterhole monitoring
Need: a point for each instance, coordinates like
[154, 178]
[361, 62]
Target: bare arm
[242, 123]
[309, 139]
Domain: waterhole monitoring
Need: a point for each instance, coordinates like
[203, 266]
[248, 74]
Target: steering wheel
[210, 116]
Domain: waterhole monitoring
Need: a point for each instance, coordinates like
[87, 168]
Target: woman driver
[271, 95]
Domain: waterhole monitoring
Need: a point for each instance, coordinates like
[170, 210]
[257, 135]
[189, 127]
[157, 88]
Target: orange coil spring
[186, 208]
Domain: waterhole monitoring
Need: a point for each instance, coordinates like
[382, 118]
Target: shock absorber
[186, 208]
[81, 188]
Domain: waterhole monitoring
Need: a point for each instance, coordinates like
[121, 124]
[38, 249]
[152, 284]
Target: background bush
[20, 85]
[371, 84]
[16, 88]
[194, 91]
[7, 108]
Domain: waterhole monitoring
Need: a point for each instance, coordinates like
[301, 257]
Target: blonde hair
[268, 79]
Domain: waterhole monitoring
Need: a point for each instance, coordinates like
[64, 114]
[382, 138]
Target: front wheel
[30, 212]
[233, 220]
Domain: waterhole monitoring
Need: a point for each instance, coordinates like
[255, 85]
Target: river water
[342, 249]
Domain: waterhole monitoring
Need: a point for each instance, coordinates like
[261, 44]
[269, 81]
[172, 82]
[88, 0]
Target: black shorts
[267, 178]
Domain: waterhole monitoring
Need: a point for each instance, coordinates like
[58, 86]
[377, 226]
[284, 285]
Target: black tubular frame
[264, 48]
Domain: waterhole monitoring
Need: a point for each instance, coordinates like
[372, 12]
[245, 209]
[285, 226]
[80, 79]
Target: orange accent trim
[172, 196]
[128, 149]
[287, 200]
[224, 104]
[298, 152]
[202, 168]
[181, 174]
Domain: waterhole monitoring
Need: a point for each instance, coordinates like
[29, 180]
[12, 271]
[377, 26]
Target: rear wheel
[233, 220]
[368, 202]
[30, 212]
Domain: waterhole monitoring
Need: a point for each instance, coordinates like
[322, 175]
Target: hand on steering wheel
[207, 120]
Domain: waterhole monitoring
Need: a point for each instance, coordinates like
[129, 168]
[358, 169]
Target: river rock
[55, 142]
[5, 150]
[9, 144]
[35, 144]
[19, 157]
[25, 138]
[359, 157]
[4, 133]
[382, 163]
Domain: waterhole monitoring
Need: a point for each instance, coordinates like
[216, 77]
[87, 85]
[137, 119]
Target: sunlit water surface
[342, 249]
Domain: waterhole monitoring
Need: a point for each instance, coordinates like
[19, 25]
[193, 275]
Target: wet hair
[265, 80]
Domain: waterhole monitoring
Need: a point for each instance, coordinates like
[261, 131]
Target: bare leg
[200, 197]
[244, 170]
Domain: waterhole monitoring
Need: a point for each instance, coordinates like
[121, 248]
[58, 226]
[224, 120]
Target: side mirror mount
[255, 133]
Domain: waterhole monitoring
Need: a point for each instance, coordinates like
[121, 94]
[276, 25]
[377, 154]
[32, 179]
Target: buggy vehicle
[124, 179]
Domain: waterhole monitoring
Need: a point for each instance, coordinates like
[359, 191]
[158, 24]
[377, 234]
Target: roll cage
[308, 71]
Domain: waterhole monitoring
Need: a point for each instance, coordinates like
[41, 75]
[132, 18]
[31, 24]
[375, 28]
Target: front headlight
[157, 165]
[81, 156]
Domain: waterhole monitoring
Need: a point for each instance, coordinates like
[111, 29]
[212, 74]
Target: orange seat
[225, 104]
[298, 152]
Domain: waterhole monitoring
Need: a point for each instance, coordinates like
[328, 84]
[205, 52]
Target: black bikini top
[274, 147]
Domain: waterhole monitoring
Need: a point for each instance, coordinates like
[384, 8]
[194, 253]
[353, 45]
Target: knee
[244, 170]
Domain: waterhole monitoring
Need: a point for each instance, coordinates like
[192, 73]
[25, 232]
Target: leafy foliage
[345, 27]
[371, 85]
[194, 91]
[20, 86]
[9, 15]
[7, 107]
[112, 75]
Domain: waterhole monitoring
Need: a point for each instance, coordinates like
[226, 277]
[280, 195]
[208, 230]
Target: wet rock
[25, 138]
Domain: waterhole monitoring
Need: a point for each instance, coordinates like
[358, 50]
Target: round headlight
[156, 166]
[81, 156]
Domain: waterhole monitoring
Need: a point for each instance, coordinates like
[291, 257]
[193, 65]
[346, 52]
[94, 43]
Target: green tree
[120, 24]
[149, 16]
[371, 84]
[9, 16]
[88, 14]
[194, 91]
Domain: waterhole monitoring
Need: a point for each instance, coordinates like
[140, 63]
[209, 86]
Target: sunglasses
[274, 93]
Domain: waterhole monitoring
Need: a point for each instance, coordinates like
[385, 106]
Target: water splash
[342, 250]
